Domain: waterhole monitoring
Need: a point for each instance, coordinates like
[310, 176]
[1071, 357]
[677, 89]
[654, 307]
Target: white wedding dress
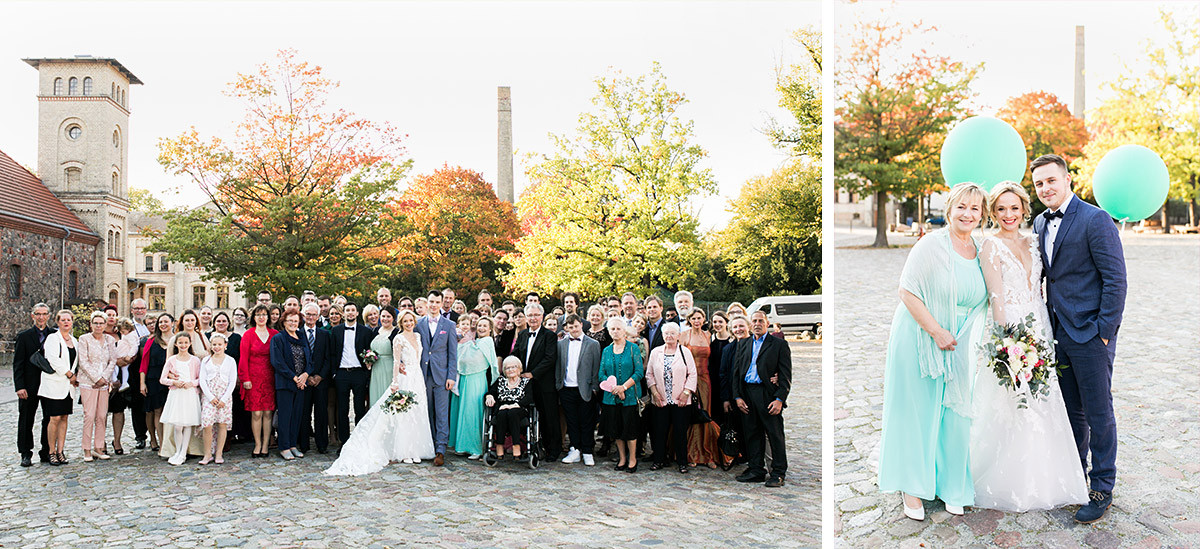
[1022, 459]
[381, 437]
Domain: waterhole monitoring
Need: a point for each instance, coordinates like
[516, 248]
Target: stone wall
[38, 256]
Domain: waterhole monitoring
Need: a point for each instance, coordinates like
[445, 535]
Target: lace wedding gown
[1021, 458]
[381, 437]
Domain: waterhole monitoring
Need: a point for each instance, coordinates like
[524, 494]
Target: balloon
[983, 150]
[1131, 183]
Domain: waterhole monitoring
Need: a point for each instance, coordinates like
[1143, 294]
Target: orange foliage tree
[296, 197]
[1047, 126]
[459, 232]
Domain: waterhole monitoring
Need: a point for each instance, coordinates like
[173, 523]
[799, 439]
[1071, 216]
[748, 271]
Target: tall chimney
[1079, 86]
[504, 151]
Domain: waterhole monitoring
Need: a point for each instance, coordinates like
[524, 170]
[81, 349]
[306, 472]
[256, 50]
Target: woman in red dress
[258, 377]
[703, 438]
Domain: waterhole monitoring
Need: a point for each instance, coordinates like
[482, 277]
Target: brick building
[47, 252]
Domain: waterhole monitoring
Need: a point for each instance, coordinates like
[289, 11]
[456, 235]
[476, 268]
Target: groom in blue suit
[439, 365]
[1084, 268]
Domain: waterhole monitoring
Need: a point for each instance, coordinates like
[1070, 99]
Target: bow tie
[576, 339]
[1051, 216]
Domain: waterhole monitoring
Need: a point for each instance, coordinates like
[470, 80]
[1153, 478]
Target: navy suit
[439, 362]
[1085, 295]
[348, 380]
[289, 399]
[317, 397]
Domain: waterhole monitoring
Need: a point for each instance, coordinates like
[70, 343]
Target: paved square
[140, 501]
[1156, 395]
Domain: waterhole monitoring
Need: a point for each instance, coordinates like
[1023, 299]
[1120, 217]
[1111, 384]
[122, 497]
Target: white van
[792, 312]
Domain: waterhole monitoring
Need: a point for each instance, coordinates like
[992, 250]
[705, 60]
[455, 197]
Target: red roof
[24, 196]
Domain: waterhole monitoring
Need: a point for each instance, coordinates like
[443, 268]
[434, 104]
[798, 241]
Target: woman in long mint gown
[476, 363]
[924, 450]
[383, 345]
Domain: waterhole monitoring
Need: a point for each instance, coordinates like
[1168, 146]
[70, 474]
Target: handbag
[38, 359]
[729, 443]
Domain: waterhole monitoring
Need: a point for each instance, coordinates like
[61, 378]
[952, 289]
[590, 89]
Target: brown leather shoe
[439, 460]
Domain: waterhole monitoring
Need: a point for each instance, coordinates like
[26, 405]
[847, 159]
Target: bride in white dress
[381, 437]
[1022, 459]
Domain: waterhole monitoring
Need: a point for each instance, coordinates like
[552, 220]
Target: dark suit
[774, 358]
[289, 399]
[29, 377]
[317, 397]
[657, 340]
[1085, 295]
[349, 380]
[578, 405]
[541, 363]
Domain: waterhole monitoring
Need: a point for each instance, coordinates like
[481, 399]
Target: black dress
[156, 393]
[714, 377]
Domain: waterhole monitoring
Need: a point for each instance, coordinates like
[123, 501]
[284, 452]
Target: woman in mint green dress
[476, 363]
[924, 450]
[384, 345]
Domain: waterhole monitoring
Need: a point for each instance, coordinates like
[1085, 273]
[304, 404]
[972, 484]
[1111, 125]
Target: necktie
[1051, 216]
[311, 339]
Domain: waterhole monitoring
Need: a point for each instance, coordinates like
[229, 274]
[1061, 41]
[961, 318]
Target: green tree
[1158, 108]
[609, 210]
[799, 88]
[297, 197]
[144, 201]
[895, 103]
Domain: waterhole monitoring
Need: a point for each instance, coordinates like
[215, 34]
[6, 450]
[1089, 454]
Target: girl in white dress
[382, 437]
[218, 377]
[1022, 459]
[182, 374]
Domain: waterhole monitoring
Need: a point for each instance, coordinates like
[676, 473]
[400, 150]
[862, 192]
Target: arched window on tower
[112, 90]
[110, 243]
[116, 184]
[118, 251]
[112, 297]
[123, 99]
[58, 86]
[73, 285]
[87, 85]
[73, 176]
[73, 86]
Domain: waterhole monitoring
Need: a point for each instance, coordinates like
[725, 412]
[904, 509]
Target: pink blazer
[683, 372]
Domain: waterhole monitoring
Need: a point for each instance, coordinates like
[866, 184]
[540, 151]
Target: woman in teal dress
[924, 451]
[384, 345]
[476, 363]
[620, 420]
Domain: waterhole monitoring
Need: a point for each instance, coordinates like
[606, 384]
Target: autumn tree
[1158, 107]
[609, 209]
[895, 104]
[1047, 127]
[296, 196]
[456, 235]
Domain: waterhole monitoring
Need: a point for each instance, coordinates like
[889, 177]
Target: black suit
[657, 341]
[542, 363]
[774, 359]
[29, 377]
[350, 380]
[317, 397]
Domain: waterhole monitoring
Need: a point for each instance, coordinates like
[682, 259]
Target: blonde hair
[124, 325]
[1007, 187]
[966, 191]
[404, 313]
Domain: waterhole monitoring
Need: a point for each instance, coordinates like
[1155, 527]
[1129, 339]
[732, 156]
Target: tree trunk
[880, 220]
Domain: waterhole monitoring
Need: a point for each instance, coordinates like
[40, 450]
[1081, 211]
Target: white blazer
[56, 385]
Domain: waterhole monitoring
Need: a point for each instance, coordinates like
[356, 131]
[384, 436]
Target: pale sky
[1028, 46]
[430, 69]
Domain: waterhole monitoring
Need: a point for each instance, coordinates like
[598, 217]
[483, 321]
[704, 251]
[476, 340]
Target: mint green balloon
[983, 150]
[1131, 183]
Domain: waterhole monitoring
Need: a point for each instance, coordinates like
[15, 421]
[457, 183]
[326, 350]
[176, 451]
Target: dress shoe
[474, 456]
[631, 469]
[751, 476]
[683, 469]
[26, 461]
[657, 466]
[439, 460]
[100, 454]
[297, 453]
[620, 467]
[955, 510]
[1096, 508]
[322, 450]
[287, 455]
[44, 458]
[774, 482]
[572, 456]
[140, 444]
[916, 513]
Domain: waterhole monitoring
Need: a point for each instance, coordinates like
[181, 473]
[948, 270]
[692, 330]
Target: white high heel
[917, 513]
[954, 509]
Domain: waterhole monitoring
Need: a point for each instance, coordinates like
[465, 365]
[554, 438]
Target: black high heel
[631, 469]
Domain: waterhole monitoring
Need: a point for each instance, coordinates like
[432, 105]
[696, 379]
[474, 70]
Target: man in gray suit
[439, 365]
[577, 382]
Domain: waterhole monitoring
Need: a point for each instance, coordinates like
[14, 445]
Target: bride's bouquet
[369, 357]
[399, 402]
[1021, 360]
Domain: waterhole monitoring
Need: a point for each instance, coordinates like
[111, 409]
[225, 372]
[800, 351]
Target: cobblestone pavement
[1157, 497]
[138, 500]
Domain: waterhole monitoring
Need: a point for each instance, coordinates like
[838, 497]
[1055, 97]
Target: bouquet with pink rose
[1022, 361]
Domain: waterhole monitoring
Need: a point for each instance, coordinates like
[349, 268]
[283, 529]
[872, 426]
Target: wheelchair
[532, 455]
